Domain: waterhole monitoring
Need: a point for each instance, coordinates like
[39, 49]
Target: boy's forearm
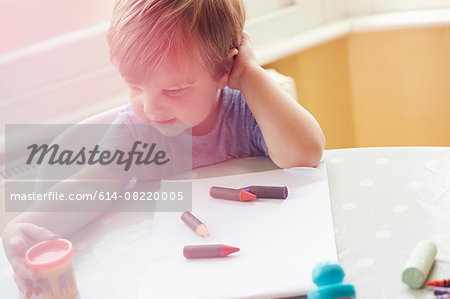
[62, 223]
[293, 136]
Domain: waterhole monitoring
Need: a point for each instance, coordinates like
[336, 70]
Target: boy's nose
[152, 107]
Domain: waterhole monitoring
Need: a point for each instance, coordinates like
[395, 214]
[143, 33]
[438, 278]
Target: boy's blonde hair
[145, 33]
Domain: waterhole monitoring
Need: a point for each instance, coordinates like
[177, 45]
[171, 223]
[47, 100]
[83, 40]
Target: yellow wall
[384, 88]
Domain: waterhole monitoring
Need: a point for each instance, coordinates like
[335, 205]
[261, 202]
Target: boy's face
[183, 93]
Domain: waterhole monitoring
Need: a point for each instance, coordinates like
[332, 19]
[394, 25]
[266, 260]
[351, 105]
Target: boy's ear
[223, 80]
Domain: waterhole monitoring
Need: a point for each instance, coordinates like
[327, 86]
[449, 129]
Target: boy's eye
[174, 92]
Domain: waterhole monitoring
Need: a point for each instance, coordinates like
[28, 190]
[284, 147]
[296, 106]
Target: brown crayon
[207, 251]
[231, 194]
[277, 192]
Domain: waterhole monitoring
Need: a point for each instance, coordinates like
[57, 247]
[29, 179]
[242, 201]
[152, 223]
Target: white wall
[24, 22]
[54, 64]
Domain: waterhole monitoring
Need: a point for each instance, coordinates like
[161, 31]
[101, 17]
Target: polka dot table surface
[384, 200]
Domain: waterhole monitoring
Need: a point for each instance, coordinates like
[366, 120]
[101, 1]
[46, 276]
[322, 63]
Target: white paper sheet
[280, 241]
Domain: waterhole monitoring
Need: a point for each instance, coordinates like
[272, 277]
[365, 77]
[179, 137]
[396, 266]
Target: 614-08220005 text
[99, 195]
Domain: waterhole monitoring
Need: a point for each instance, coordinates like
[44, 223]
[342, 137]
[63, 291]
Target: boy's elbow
[315, 153]
[311, 159]
[302, 156]
[307, 158]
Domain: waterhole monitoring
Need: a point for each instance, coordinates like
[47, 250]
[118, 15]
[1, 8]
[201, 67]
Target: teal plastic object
[329, 277]
[333, 291]
[326, 273]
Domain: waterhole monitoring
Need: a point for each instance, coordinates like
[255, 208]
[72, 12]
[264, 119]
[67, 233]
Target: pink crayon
[207, 251]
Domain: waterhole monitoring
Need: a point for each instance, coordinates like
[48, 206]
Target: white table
[384, 200]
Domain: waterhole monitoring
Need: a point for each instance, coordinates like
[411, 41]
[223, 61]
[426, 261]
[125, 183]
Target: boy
[188, 62]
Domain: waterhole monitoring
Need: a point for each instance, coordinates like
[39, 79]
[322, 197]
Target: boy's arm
[292, 135]
[65, 223]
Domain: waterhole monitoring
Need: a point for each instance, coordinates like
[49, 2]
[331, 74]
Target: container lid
[333, 291]
[48, 254]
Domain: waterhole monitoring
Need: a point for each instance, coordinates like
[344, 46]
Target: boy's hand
[244, 60]
[17, 238]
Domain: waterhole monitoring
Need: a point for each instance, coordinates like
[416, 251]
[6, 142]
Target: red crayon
[206, 251]
[439, 283]
[231, 194]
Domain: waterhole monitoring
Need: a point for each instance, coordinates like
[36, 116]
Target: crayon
[268, 191]
[439, 283]
[231, 194]
[195, 224]
[441, 291]
[206, 251]
[419, 264]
